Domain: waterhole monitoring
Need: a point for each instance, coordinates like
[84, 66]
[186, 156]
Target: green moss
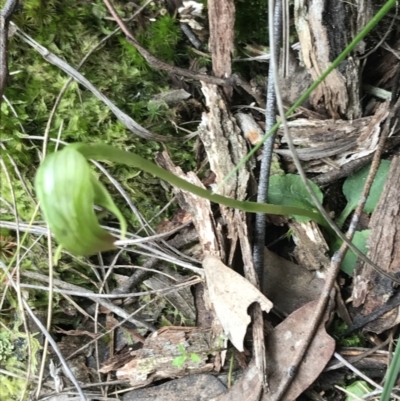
[13, 359]
[70, 29]
[251, 25]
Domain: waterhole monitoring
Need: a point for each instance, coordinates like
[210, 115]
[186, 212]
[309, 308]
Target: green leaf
[195, 358]
[349, 261]
[181, 349]
[67, 191]
[359, 388]
[289, 190]
[179, 361]
[354, 185]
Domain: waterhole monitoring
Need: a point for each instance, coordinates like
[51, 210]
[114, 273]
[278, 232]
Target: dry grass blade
[46, 333]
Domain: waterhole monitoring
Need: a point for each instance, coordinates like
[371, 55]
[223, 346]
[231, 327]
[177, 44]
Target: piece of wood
[199, 208]
[329, 145]
[323, 29]
[371, 289]
[221, 15]
[225, 147]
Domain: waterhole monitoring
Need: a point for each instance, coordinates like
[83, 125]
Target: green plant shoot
[68, 192]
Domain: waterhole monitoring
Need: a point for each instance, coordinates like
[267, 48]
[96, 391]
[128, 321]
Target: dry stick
[79, 291]
[263, 181]
[5, 17]
[158, 64]
[337, 257]
[161, 65]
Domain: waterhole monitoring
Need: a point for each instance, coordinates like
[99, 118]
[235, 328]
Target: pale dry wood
[311, 248]
[221, 16]
[371, 289]
[251, 130]
[339, 140]
[154, 361]
[210, 236]
[225, 147]
[199, 208]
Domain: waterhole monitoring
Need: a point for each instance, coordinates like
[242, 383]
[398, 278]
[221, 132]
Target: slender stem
[106, 152]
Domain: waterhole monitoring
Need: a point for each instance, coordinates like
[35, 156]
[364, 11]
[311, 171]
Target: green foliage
[70, 29]
[180, 360]
[13, 359]
[357, 389]
[392, 374]
[349, 261]
[6, 348]
[289, 190]
[354, 185]
[354, 340]
[68, 192]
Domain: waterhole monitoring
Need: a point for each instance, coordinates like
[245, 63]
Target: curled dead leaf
[231, 295]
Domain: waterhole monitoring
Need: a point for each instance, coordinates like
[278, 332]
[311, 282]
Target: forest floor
[196, 304]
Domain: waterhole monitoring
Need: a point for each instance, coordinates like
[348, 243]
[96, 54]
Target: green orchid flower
[68, 191]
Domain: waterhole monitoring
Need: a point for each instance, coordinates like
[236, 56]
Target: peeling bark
[372, 289]
[323, 29]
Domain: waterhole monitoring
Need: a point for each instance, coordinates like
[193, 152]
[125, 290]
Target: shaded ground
[185, 86]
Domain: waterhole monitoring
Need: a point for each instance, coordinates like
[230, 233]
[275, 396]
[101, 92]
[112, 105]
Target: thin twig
[263, 181]
[126, 120]
[47, 335]
[158, 64]
[81, 292]
[360, 374]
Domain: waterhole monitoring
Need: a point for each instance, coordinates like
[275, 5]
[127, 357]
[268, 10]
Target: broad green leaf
[360, 241]
[195, 358]
[359, 388]
[67, 191]
[289, 190]
[353, 187]
[179, 361]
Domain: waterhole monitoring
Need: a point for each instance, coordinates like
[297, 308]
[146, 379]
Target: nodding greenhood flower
[67, 191]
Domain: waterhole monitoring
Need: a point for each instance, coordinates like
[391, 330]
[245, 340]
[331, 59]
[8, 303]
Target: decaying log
[221, 15]
[225, 147]
[323, 29]
[371, 289]
[342, 141]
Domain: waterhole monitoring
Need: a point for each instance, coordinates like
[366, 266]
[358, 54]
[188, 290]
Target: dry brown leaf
[231, 295]
[287, 285]
[283, 344]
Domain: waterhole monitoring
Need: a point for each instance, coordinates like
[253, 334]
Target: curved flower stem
[109, 153]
